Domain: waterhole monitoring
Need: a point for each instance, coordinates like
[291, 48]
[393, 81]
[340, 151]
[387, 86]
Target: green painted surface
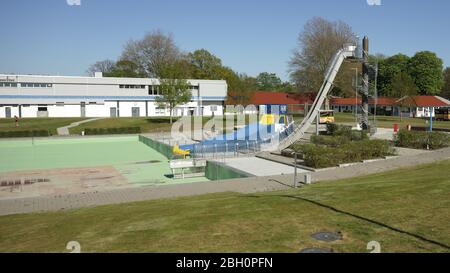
[126, 154]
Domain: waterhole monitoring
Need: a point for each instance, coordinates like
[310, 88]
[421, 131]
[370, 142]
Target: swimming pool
[137, 162]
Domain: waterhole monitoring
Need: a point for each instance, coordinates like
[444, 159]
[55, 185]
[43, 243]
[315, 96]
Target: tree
[446, 88]
[104, 66]
[125, 69]
[403, 86]
[173, 89]
[426, 69]
[268, 81]
[388, 70]
[205, 65]
[317, 43]
[152, 53]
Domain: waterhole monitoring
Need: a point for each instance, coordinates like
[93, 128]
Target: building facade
[29, 96]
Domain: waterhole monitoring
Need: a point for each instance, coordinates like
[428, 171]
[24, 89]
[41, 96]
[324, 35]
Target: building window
[59, 103]
[36, 85]
[42, 109]
[123, 86]
[8, 84]
[160, 110]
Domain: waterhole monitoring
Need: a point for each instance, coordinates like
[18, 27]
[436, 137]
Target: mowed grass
[147, 125]
[406, 210]
[388, 121]
[26, 124]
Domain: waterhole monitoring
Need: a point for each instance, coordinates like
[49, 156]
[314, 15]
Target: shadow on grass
[416, 236]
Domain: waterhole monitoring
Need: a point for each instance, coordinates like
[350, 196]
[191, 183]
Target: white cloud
[73, 2]
[374, 2]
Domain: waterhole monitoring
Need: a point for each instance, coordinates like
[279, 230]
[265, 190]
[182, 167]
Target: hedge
[29, 133]
[346, 131]
[112, 131]
[422, 140]
[319, 156]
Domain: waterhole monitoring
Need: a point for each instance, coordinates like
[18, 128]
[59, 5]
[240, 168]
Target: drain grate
[316, 250]
[19, 182]
[327, 236]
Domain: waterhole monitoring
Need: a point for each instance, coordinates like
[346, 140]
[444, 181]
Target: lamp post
[356, 94]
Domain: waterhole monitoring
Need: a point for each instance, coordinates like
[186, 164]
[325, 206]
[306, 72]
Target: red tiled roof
[424, 101]
[261, 98]
[345, 101]
[385, 101]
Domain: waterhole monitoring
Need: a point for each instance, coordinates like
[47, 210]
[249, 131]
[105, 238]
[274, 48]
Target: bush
[29, 133]
[33, 133]
[333, 141]
[346, 131]
[112, 131]
[318, 156]
[422, 140]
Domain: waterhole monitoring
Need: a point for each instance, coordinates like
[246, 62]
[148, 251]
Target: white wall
[99, 110]
[423, 112]
[30, 111]
[126, 108]
[14, 111]
[63, 111]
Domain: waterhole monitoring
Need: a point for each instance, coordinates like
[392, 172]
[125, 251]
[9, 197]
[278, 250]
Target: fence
[218, 171]
[160, 147]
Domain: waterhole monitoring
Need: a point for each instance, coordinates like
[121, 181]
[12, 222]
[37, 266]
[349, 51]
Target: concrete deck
[260, 167]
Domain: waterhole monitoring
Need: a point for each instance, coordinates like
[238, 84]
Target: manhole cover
[327, 236]
[316, 250]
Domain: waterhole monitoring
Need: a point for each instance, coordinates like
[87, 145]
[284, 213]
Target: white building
[59, 96]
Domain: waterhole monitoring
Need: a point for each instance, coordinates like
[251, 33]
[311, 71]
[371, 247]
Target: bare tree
[152, 53]
[104, 66]
[317, 43]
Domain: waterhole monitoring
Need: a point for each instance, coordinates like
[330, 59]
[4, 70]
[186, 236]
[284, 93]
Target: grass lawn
[147, 124]
[388, 121]
[26, 124]
[405, 210]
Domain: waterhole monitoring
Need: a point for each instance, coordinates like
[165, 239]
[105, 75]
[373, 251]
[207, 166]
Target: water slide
[347, 51]
[249, 137]
[270, 126]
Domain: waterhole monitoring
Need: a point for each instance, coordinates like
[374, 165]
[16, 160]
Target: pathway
[64, 131]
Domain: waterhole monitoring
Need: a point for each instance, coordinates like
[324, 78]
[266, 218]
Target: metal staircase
[299, 132]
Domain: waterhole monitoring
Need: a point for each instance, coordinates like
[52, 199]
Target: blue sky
[250, 36]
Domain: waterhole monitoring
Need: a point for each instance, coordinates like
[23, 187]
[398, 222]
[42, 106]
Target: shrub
[29, 133]
[346, 131]
[422, 140]
[112, 131]
[333, 141]
[319, 156]
[332, 128]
